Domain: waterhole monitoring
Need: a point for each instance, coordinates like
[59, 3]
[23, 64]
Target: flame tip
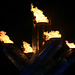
[52, 34]
[27, 47]
[70, 45]
[5, 38]
[40, 17]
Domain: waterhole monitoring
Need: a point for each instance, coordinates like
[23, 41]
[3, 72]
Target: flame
[27, 47]
[4, 38]
[52, 34]
[40, 17]
[70, 45]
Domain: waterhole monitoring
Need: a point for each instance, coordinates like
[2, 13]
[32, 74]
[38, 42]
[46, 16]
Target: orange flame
[52, 34]
[4, 38]
[27, 47]
[40, 17]
[70, 45]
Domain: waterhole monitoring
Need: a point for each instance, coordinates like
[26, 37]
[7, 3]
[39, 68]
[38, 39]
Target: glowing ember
[40, 17]
[27, 47]
[4, 38]
[70, 45]
[52, 34]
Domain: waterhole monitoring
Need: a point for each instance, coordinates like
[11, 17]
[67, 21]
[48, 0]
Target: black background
[16, 18]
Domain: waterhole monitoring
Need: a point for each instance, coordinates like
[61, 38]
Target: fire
[52, 34]
[4, 38]
[40, 17]
[70, 45]
[27, 47]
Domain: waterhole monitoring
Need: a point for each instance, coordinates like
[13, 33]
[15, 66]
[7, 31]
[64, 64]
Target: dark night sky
[16, 18]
